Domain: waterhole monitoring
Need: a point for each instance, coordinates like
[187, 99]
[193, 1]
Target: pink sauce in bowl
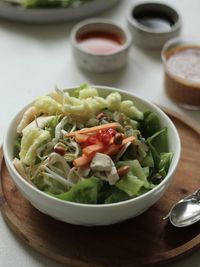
[100, 42]
[100, 45]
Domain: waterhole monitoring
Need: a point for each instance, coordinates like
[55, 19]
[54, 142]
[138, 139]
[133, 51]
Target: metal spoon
[186, 211]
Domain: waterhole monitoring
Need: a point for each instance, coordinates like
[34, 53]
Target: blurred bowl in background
[99, 45]
[152, 24]
[17, 13]
[181, 60]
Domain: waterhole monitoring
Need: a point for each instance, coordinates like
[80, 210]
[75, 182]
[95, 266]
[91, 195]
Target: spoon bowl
[186, 212]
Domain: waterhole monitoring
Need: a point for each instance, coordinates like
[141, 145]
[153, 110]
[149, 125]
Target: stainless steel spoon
[186, 211]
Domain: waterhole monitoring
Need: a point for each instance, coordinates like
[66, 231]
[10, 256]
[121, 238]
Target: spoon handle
[196, 194]
[166, 216]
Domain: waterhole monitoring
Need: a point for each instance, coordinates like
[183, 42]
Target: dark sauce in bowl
[156, 21]
[152, 24]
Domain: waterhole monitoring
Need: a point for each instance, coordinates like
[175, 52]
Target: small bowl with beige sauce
[181, 59]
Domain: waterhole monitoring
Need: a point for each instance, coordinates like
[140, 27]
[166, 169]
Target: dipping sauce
[156, 21]
[182, 75]
[100, 42]
[184, 62]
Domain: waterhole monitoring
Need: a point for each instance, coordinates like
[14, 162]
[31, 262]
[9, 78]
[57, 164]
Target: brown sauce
[100, 42]
[182, 75]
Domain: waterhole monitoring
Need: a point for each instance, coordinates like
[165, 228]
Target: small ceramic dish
[181, 61]
[152, 24]
[99, 45]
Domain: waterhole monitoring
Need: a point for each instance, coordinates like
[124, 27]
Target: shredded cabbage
[31, 140]
[28, 116]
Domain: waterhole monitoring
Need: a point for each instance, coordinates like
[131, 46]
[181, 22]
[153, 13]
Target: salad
[78, 146]
[48, 3]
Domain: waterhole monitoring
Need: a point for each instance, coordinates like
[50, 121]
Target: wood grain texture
[146, 240]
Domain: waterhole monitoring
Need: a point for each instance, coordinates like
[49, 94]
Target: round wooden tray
[143, 241]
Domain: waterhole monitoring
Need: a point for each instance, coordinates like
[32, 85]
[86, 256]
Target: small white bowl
[154, 32]
[100, 62]
[89, 214]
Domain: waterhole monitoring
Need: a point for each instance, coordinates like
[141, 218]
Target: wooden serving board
[146, 240]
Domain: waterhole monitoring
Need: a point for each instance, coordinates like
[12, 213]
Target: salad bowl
[95, 214]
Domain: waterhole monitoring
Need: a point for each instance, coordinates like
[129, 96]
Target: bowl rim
[99, 206]
[78, 26]
[134, 23]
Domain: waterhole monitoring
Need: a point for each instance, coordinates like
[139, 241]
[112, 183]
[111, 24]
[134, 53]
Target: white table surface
[33, 59]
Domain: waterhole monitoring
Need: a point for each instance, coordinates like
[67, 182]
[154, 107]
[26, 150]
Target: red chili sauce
[100, 42]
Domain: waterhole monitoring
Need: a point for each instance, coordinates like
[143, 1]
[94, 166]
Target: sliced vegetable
[94, 129]
[113, 149]
[83, 160]
[81, 138]
[89, 150]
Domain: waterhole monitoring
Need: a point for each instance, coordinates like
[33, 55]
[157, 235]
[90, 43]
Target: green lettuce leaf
[116, 195]
[48, 185]
[85, 191]
[158, 143]
[165, 160]
[130, 184]
[148, 160]
[150, 124]
[136, 170]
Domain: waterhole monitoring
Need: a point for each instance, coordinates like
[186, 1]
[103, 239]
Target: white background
[33, 59]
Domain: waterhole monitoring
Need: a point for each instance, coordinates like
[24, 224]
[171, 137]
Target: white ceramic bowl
[37, 16]
[100, 62]
[85, 214]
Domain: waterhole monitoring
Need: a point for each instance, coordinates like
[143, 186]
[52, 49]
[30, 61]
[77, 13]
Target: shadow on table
[43, 32]
[154, 54]
[105, 78]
